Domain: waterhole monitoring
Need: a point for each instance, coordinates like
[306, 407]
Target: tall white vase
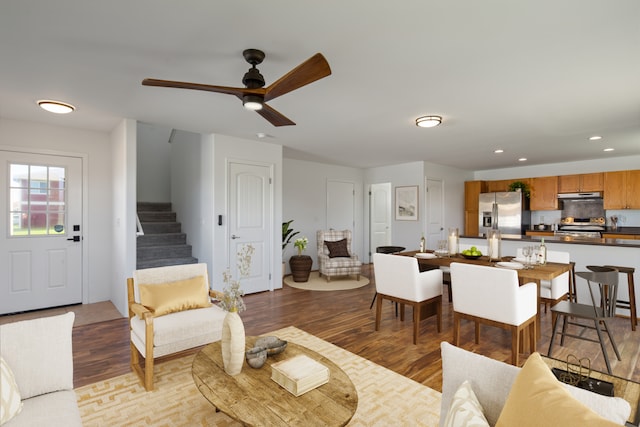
[232, 343]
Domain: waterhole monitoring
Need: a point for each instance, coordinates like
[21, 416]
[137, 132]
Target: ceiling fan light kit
[57, 107]
[254, 95]
[252, 102]
[428, 121]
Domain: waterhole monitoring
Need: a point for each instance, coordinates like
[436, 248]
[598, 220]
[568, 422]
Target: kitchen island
[584, 252]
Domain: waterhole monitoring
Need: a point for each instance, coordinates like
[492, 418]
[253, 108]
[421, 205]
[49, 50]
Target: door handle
[233, 236]
[75, 239]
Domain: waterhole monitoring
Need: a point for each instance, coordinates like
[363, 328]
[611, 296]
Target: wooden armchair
[170, 310]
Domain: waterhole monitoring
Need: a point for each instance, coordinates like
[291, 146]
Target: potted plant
[287, 235]
[300, 264]
[520, 186]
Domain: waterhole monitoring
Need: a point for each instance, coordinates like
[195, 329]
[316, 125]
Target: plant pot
[300, 267]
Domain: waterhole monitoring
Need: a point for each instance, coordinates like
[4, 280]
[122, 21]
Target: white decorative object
[299, 374]
[453, 241]
[494, 240]
[233, 343]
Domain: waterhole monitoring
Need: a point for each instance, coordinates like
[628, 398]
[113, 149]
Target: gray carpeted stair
[163, 242]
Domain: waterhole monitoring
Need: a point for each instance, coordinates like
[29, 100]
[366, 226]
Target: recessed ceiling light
[428, 121]
[57, 107]
[595, 138]
[498, 151]
[522, 159]
[608, 149]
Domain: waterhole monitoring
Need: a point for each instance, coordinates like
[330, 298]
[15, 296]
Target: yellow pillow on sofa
[165, 298]
[538, 399]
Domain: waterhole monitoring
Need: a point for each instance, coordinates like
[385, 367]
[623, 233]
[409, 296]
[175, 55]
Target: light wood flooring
[101, 336]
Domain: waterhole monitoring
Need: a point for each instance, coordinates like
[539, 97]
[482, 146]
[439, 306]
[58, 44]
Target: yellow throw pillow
[10, 403]
[165, 298]
[538, 399]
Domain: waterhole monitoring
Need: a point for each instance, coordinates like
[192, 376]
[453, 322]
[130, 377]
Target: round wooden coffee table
[253, 398]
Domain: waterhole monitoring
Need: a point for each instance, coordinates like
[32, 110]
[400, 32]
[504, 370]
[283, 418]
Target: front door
[251, 223]
[41, 237]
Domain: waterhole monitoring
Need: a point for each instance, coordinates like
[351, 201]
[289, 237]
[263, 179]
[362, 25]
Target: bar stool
[631, 304]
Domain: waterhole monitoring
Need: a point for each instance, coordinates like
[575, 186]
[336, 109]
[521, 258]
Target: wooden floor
[101, 350]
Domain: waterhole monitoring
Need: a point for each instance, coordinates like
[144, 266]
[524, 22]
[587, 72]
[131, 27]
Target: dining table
[536, 274]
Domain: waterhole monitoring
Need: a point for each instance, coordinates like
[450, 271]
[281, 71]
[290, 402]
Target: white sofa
[492, 380]
[39, 354]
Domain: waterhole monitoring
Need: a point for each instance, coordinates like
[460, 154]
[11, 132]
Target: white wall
[305, 202]
[407, 233]
[153, 161]
[585, 166]
[228, 149]
[95, 148]
[123, 208]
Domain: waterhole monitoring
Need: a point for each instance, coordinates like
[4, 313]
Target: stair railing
[139, 230]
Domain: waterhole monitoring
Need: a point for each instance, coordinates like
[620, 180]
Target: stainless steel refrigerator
[507, 211]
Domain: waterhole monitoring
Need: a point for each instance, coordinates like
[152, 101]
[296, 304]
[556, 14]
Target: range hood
[574, 196]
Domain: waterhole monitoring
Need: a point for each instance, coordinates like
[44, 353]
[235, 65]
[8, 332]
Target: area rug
[384, 397]
[317, 283]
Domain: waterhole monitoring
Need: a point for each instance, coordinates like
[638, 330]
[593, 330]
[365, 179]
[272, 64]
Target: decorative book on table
[299, 374]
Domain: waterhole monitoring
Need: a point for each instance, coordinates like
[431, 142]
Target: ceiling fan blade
[274, 117]
[237, 91]
[309, 71]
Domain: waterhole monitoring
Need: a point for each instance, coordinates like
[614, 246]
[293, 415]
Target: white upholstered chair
[399, 280]
[335, 256]
[493, 296]
[170, 310]
[556, 290]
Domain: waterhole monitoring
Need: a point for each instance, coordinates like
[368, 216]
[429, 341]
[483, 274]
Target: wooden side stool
[631, 304]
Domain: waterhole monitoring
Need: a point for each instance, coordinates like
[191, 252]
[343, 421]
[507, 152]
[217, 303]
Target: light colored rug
[316, 283]
[385, 398]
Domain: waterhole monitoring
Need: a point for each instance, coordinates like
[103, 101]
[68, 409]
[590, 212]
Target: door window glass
[37, 200]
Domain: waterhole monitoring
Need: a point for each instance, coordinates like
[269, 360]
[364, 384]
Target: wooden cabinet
[622, 190]
[472, 190]
[581, 183]
[544, 193]
[497, 186]
[539, 233]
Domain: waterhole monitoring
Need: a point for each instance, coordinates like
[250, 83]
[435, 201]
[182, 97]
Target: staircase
[163, 242]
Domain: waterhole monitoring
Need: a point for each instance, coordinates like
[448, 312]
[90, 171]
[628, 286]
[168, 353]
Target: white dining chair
[556, 290]
[493, 296]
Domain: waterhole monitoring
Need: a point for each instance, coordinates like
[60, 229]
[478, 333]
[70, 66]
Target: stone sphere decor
[256, 357]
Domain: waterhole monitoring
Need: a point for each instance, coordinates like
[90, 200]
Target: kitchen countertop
[628, 243]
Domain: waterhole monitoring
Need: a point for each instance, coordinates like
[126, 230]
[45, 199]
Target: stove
[588, 228]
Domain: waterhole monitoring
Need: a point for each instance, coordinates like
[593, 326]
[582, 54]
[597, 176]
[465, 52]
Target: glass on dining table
[443, 248]
[526, 252]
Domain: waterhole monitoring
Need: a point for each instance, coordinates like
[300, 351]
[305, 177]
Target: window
[37, 200]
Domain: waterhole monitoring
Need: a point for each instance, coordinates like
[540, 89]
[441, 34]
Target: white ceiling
[535, 78]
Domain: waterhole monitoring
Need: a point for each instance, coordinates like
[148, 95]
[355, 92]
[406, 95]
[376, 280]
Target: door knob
[75, 238]
[233, 236]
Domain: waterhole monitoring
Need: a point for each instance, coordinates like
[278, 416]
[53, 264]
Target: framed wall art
[407, 203]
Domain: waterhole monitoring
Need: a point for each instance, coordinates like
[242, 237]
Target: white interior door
[251, 223]
[434, 200]
[340, 205]
[41, 238]
[380, 212]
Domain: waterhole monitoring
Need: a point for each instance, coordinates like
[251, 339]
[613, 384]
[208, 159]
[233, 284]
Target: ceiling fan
[254, 96]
